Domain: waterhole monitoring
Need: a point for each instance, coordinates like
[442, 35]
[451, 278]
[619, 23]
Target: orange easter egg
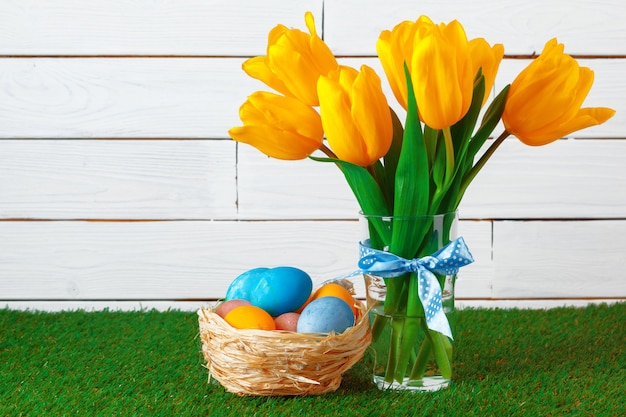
[335, 290]
[250, 317]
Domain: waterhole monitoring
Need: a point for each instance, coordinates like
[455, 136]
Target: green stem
[414, 310]
[449, 156]
[441, 353]
[424, 355]
[397, 330]
[392, 309]
[481, 162]
[448, 346]
[327, 151]
[378, 325]
[394, 295]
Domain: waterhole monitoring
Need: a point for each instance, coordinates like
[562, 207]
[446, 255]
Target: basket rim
[359, 304]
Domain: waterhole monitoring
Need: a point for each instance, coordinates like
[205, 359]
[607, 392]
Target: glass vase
[405, 354]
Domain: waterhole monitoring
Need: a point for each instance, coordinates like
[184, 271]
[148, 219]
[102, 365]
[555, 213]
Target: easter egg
[241, 287]
[326, 315]
[287, 321]
[276, 290]
[335, 290]
[308, 300]
[225, 307]
[281, 290]
[250, 317]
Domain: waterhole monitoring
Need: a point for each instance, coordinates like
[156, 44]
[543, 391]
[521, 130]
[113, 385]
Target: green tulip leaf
[412, 180]
[392, 156]
[462, 130]
[490, 121]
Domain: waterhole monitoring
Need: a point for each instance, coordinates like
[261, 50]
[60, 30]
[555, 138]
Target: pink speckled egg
[287, 321]
[226, 306]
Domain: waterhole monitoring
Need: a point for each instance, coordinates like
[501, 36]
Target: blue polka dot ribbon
[445, 261]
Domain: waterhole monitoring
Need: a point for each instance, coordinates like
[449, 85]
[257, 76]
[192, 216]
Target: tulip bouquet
[330, 112]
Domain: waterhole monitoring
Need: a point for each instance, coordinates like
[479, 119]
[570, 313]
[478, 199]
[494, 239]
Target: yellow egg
[335, 290]
[250, 317]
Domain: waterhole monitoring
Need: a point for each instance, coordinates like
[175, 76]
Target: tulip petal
[291, 68]
[310, 23]
[371, 113]
[488, 59]
[275, 144]
[545, 99]
[294, 61]
[585, 118]
[279, 126]
[258, 68]
[355, 115]
[387, 59]
[337, 122]
[442, 77]
[283, 113]
[394, 49]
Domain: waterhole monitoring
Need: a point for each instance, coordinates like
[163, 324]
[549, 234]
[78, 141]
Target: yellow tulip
[442, 75]
[488, 58]
[355, 115]
[389, 48]
[294, 62]
[279, 126]
[395, 48]
[438, 59]
[544, 101]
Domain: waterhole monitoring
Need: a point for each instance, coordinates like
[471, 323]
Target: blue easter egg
[326, 315]
[242, 287]
[281, 290]
[276, 290]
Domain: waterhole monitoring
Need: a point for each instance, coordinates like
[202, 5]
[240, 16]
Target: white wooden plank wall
[120, 188]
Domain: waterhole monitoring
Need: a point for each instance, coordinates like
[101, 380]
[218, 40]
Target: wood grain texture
[198, 179]
[552, 259]
[545, 225]
[121, 97]
[351, 27]
[566, 179]
[227, 28]
[117, 179]
[146, 27]
[179, 260]
[186, 97]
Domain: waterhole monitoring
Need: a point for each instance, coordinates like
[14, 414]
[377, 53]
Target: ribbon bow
[445, 261]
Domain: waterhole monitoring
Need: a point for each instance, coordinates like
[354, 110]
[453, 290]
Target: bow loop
[445, 261]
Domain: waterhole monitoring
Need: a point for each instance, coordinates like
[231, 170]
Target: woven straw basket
[273, 363]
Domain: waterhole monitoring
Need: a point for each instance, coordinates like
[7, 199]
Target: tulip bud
[294, 62]
[280, 127]
[544, 101]
[355, 115]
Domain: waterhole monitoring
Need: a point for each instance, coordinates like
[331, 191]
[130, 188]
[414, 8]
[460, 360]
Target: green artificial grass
[557, 362]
